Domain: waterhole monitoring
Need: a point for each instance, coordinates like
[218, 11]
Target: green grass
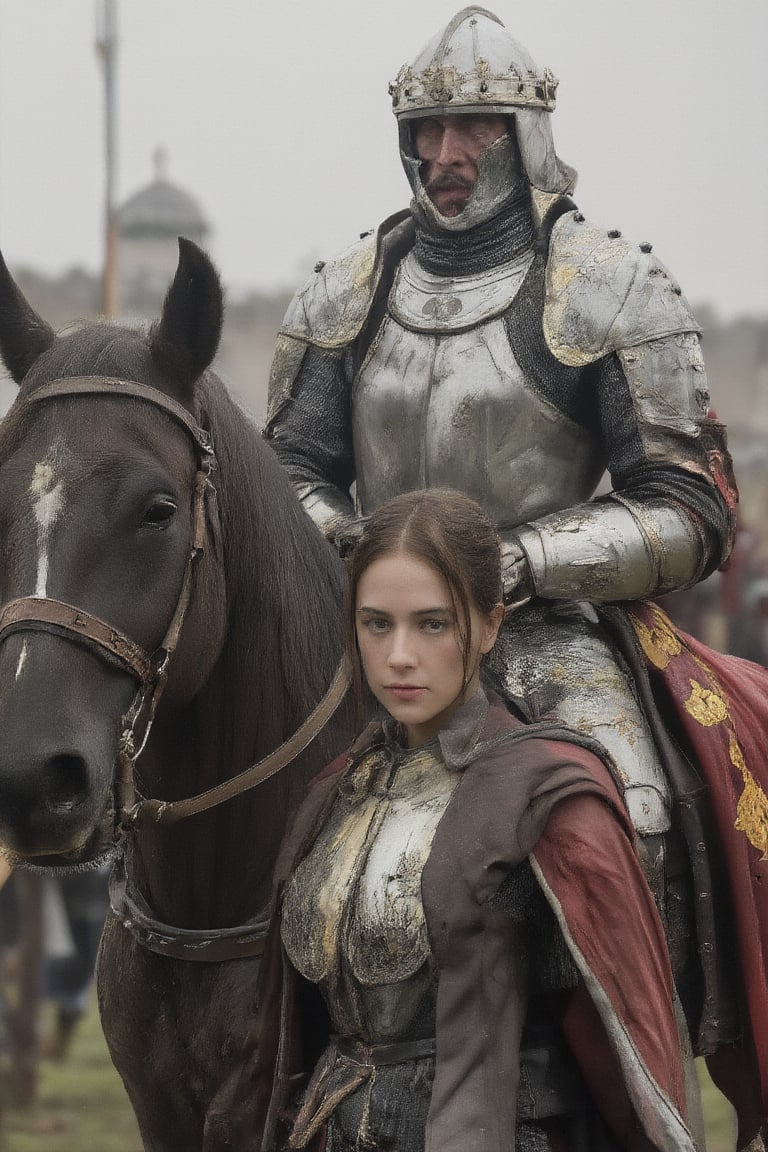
[82, 1106]
[718, 1114]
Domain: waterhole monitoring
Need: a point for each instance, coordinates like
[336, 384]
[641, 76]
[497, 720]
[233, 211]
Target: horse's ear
[23, 334]
[185, 339]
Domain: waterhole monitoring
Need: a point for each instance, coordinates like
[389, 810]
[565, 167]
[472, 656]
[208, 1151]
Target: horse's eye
[160, 513]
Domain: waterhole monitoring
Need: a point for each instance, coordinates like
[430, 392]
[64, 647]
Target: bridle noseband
[151, 670]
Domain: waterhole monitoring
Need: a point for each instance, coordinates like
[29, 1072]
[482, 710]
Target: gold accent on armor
[659, 643]
[752, 809]
[542, 202]
[604, 294]
[331, 308]
[627, 727]
[707, 707]
[562, 275]
[606, 679]
[444, 86]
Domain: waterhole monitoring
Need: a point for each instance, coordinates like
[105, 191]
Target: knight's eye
[160, 513]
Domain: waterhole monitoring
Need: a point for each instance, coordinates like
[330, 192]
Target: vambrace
[331, 510]
[669, 521]
[614, 549]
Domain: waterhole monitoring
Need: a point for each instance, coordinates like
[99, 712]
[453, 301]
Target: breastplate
[441, 401]
[353, 919]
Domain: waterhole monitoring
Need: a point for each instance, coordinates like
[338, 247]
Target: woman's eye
[433, 626]
[160, 513]
[376, 624]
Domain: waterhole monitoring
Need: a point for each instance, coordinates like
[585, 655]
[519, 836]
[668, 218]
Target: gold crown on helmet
[445, 87]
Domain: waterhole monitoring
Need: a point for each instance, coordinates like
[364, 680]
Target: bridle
[151, 669]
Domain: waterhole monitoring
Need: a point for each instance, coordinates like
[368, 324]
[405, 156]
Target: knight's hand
[516, 577]
[348, 534]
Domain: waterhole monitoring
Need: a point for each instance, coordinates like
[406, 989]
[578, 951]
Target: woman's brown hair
[448, 531]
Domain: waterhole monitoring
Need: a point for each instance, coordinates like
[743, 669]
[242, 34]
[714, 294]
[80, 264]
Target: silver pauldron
[330, 309]
[604, 294]
[617, 549]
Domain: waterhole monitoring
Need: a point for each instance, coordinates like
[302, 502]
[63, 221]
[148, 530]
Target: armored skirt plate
[426, 302]
[353, 919]
[558, 662]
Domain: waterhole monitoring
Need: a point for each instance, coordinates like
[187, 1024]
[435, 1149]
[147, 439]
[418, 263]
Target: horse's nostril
[66, 782]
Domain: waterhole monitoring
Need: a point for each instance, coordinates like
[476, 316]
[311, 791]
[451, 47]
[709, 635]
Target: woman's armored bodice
[442, 401]
[353, 919]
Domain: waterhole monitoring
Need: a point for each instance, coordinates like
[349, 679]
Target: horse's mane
[285, 592]
[285, 584]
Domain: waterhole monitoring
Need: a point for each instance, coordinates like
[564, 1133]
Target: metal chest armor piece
[353, 919]
[442, 402]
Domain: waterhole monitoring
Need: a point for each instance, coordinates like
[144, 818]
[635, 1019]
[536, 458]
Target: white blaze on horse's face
[47, 503]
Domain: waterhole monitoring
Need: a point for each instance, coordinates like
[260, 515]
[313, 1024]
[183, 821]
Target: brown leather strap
[211, 945]
[170, 812]
[112, 386]
[380, 1054]
[56, 616]
[34, 612]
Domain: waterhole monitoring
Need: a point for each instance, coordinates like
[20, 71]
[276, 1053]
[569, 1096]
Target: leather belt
[378, 1054]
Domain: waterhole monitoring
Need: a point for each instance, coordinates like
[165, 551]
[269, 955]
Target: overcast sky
[275, 116]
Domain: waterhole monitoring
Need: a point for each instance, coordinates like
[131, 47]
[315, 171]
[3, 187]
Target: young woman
[464, 955]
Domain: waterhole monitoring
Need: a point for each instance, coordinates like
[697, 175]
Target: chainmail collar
[497, 241]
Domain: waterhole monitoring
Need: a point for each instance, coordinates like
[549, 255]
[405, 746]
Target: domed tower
[149, 224]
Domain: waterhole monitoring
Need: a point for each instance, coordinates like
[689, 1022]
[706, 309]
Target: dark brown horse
[97, 506]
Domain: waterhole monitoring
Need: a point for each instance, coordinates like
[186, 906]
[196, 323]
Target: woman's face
[410, 645]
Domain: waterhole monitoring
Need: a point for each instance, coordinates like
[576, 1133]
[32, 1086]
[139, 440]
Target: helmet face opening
[475, 67]
[500, 178]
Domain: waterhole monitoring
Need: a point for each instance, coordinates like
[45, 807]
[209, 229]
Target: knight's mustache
[450, 182]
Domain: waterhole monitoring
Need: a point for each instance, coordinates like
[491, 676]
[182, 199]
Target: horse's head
[97, 498]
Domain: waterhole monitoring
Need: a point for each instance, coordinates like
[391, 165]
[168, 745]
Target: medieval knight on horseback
[492, 339]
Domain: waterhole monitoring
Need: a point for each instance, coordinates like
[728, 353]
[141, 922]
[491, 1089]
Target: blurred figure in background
[749, 629]
[75, 909]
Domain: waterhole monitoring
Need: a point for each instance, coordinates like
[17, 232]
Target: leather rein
[151, 669]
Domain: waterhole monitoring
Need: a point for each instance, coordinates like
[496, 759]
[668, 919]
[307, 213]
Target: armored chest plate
[353, 919]
[455, 410]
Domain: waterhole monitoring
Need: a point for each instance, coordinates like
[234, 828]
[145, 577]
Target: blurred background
[262, 129]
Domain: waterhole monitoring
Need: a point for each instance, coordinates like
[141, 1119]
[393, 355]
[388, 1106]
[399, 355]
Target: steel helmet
[475, 66]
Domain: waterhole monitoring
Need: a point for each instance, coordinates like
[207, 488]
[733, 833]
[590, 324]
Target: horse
[165, 594]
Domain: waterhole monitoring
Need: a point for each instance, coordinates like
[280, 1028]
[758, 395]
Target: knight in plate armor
[493, 340]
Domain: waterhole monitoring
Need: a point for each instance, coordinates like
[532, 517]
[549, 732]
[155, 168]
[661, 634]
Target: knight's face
[449, 148]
